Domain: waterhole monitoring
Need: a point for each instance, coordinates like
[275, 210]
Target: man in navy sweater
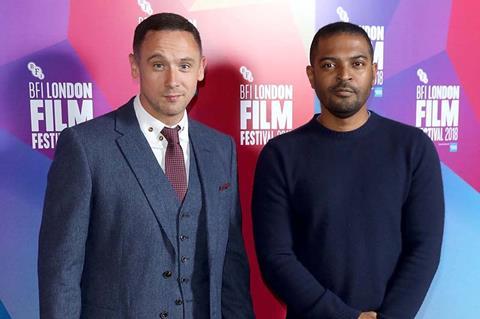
[348, 209]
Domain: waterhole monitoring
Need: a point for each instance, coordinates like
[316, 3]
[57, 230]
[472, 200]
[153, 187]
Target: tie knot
[171, 134]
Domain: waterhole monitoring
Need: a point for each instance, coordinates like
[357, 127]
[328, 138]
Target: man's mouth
[343, 91]
[172, 97]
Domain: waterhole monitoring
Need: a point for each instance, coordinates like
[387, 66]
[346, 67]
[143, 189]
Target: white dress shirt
[152, 128]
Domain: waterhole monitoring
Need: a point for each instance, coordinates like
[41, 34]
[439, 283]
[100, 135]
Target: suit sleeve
[64, 229]
[304, 296]
[236, 300]
[422, 232]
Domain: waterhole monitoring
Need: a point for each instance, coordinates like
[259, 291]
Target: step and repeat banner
[65, 62]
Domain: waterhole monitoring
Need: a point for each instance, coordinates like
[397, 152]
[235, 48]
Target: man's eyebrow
[327, 58]
[187, 59]
[160, 56]
[155, 56]
[360, 56]
[331, 58]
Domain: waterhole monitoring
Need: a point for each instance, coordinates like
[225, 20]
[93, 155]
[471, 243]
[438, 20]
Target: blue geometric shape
[370, 12]
[22, 186]
[316, 106]
[454, 290]
[3, 311]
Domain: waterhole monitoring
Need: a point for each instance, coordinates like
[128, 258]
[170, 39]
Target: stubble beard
[343, 109]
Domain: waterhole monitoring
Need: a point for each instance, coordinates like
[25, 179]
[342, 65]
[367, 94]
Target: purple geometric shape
[369, 12]
[31, 26]
[59, 63]
[463, 47]
[399, 97]
[399, 103]
[417, 31]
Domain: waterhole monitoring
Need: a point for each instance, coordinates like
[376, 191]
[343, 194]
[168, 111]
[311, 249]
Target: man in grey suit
[141, 215]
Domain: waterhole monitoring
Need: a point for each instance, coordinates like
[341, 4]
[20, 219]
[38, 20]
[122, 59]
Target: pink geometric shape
[463, 47]
[415, 35]
[105, 42]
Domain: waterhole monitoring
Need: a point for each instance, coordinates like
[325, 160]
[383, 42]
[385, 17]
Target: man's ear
[134, 69]
[201, 69]
[310, 75]
[374, 70]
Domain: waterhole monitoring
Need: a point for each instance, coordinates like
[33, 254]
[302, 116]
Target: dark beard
[342, 108]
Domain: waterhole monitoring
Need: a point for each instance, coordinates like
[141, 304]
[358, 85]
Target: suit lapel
[144, 165]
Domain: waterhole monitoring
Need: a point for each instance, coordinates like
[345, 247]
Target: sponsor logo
[437, 111]
[55, 106]
[266, 110]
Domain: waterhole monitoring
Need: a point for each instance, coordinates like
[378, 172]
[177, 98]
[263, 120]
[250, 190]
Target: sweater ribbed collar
[366, 128]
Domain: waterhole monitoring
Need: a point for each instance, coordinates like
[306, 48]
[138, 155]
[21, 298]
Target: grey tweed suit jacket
[106, 240]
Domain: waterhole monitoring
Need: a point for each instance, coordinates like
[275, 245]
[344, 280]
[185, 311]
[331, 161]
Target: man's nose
[344, 73]
[171, 79]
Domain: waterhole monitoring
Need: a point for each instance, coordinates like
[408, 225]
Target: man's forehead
[177, 35]
[343, 43]
[161, 42]
[343, 37]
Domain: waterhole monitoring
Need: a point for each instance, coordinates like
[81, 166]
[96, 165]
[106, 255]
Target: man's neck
[338, 124]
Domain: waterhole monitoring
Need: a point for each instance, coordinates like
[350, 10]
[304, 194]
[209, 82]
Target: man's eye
[185, 67]
[158, 66]
[358, 64]
[328, 66]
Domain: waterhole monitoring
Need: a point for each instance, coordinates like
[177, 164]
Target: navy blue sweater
[346, 222]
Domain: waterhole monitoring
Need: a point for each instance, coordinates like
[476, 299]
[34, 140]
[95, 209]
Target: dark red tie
[174, 162]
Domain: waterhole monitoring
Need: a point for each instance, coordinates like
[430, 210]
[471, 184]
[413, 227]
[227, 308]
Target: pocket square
[223, 187]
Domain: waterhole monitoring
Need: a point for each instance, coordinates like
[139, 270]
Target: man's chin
[343, 113]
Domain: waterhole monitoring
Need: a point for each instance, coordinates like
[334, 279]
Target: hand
[368, 315]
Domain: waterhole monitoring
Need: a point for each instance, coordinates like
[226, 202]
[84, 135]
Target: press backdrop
[64, 62]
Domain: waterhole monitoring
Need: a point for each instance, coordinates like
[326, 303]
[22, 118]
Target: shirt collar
[151, 127]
